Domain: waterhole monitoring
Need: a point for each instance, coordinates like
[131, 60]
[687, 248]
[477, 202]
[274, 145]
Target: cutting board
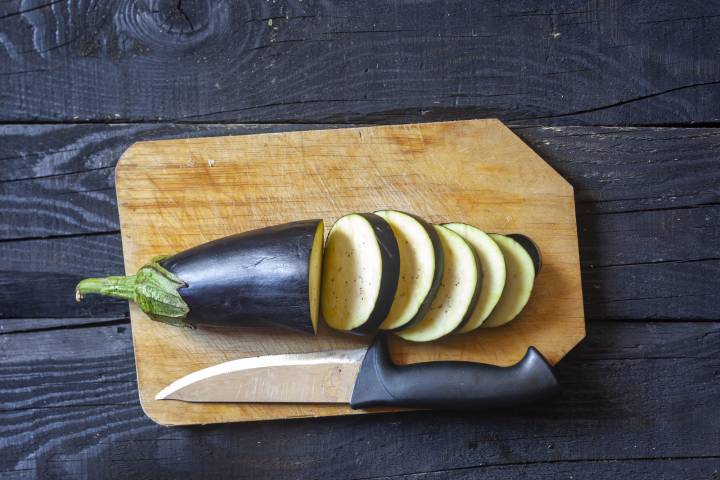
[178, 193]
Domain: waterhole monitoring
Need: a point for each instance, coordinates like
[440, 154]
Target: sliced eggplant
[519, 281]
[458, 293]
[261, 277]
[530, 247]
[361, 267]
[493, 272]
[421, 267]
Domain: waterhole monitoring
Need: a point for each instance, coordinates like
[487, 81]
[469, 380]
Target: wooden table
[622, 98]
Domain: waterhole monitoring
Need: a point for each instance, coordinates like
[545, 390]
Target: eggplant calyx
[153, 288]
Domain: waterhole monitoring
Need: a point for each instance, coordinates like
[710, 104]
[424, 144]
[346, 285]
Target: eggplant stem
[117, 287]
[153, 288]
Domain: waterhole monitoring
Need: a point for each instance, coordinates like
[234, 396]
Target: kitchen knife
[368, 378]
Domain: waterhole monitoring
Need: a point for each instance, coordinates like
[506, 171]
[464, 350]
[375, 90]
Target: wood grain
[638, 469]
[47, 188]
[643, 196]
[564, 62]
[641, 397]
[647, 390]
[645, 375]
[59, 180]
[178, 193]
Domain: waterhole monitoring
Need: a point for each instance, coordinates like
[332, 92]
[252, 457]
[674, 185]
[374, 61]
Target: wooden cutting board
[179, 193]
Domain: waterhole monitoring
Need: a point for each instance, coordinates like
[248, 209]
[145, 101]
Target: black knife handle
[450, 385]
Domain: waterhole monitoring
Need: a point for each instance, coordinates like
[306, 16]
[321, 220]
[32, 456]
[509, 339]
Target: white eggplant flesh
[315, 275]
[361, 266]
[458, 292]
[421, 265]
[520, 277]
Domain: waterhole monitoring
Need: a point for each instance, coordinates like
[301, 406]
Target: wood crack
[90, 324]
[617, 104]
[55, 175]
[82, 405]
[32, 9]
[655, 262]
[278, 104]
[58, 236]
[642, 210]
[538, 462]
[544, 14]
[679, 19]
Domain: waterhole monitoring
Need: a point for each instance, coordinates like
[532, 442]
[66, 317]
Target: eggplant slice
[493, 272]
[268, 276]
[421, 267]
[530, 247]
[361, 267]
[519, 281]
[459, 288]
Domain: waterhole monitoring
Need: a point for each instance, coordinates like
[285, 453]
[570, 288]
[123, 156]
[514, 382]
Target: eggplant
[530, 247]
[421, 267]
[493, 269]
[361, 267]
[519, 281]
[269, 276]
[458, 293]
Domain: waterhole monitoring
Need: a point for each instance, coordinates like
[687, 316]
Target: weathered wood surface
[641, 396]
[648, 215]
[561, 62]
[635, 396]
[441, 171]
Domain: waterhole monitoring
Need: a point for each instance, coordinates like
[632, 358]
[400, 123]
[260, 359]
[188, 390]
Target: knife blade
[365, 378]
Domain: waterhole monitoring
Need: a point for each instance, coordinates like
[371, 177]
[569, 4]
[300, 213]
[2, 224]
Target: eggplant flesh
[519, 281]
[361, 267]
[421, 267]
[455, 299]
[315, 275]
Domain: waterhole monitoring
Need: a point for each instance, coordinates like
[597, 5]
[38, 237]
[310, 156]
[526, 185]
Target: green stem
[117, 287]
[153, 288]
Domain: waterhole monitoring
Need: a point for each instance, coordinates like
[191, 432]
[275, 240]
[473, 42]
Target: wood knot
[174, 24]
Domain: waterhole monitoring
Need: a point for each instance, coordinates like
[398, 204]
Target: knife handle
[450, 385]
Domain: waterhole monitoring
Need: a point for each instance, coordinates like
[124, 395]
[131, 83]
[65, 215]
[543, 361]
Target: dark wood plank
[77, 203]
[39, 294]
[59, 180]
[632, 392]
[641, 399]
[99, 254]
[632, 169]
[33, 324]
[667, 291]
[662, 264]
[644, 469]
[570, 61]
[38, 278]
[689, 234]
[649, 265]
[648, 216]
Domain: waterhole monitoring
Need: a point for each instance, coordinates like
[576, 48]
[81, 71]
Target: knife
[368, 378]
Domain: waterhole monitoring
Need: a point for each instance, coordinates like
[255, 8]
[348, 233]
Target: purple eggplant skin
[254, 278]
